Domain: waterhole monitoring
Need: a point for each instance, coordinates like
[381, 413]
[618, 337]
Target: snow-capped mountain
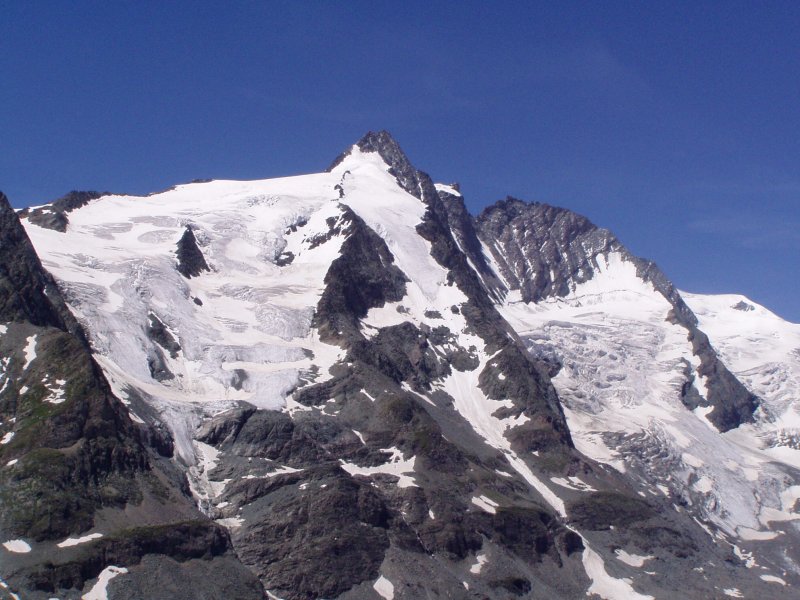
[359, 390]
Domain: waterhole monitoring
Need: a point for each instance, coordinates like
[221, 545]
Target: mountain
[81, 495]
[343, 385]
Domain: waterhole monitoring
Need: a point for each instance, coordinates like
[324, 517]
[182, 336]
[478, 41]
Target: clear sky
[676, 125]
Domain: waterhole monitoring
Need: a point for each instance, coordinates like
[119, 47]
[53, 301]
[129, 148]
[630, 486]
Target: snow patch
[746, 533]
[283, 470]
[4, 585]
[746, 557]
[634, 560]
[573, 483]
[480, 561]
[605, 586]
[230, 522]
[447, 189]
[81, 540]
[203, 487]
[692, 460]
[485, 503]
[17, 546]
[478, 410]
[384, 587]
[57, 392]
[704, 485]
[702, 412]
[401, 468]
[29, 351]
[99, 590]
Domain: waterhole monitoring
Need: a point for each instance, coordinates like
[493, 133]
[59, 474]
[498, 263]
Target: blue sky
[676, 125]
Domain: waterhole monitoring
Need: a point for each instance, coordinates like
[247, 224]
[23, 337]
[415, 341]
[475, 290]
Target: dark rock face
[191, 261]
[743, 306]
[54, 215]
[357, 281]
[319, 544]
[180, 541]
[159, 333]
[73, 458]
[311, 533]
[27, 292]
[317, 531]
[541, 249]
[603, 510]
[733, 403]
[462, 226]
[528, 383]
[76, 456]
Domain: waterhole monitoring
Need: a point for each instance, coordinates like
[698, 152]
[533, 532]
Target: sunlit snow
[29, 351]
[17, 546]
[99, 590]
[398, 466]
[244, 328]
[77, 541]
[384, 587]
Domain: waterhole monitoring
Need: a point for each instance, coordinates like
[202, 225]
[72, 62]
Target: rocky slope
[371, 393]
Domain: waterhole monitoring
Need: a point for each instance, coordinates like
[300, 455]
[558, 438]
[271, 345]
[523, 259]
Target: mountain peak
[390, 152]
[373, 141]
[381, 142]
[379, 351]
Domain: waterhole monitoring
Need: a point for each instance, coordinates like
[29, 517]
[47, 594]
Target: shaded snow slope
[763, 351]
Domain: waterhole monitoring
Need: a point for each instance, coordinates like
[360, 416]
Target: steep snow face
[763, 351]
[623, 369]
[394, 214]
[239, 332]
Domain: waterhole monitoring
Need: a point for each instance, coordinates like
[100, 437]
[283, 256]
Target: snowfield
[244, 329]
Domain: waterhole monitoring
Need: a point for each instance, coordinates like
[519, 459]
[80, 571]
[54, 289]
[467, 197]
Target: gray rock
[191, 261]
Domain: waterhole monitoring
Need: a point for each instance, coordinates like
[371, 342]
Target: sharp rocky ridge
[344, 385]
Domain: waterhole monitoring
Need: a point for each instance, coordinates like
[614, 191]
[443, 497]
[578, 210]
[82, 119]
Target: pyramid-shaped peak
[390, 152]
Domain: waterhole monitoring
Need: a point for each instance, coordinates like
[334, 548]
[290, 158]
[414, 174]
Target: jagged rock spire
[191, 261]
